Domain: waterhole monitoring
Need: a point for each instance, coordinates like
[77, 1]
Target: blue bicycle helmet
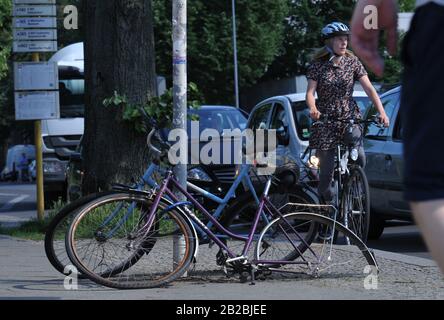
[335, 29]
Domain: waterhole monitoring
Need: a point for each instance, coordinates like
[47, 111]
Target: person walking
[422, 109]
[23, 168]
[332, 75]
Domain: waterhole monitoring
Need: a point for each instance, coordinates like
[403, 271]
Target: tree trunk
[119, 56]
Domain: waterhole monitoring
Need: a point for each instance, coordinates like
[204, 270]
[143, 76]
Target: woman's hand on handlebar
[384, 120]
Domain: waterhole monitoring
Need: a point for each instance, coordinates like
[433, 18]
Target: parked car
[216, 178]
[11, 170]
[384, 168]
[291, 112]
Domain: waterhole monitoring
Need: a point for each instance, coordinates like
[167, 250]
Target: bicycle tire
[321, 256]
[146, 273]
[57, 228]
[355, 203]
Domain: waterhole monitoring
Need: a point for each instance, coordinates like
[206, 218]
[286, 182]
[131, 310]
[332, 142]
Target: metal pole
[39, 160]
[180, 100]
[236, 78]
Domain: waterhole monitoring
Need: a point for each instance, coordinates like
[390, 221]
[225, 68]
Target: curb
[403, 258]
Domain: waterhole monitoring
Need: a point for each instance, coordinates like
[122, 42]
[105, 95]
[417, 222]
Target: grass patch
[33, 229]
[123, 219]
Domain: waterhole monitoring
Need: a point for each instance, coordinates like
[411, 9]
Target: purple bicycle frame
[264, 203]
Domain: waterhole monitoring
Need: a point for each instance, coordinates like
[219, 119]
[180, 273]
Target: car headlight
[198, 174]
[354, 155]
[53, 167]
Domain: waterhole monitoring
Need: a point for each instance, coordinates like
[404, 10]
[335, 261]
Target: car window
[303, 120]
[259, 119]
[278, 116]
[363, 104]
[389, 103]
[301, 116]
[71, 92]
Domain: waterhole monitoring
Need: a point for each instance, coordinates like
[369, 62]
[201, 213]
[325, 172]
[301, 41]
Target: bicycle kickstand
[252, 283]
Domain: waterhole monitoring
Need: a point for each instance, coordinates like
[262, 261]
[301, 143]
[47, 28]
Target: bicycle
[352, 192]
[158, 225]
[56, 251]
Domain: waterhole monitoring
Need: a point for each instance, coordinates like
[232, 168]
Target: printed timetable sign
[36, 76]
[35, 22]
[34, 11]
[37, 105]
[34, 1]
[35, 34]
[35, 46]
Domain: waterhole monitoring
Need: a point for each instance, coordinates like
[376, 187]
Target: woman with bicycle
[332, 76]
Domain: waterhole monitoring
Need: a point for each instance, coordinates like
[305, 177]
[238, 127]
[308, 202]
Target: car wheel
[376, 227]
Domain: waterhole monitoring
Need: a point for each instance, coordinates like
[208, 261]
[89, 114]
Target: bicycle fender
[177, 206]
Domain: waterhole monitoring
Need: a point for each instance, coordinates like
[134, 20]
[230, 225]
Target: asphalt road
[18, 203]
[401, 237]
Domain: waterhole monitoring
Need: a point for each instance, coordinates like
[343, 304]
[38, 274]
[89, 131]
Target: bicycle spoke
[322, 258]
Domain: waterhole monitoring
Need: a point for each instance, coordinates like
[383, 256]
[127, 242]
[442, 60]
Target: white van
[61, 136]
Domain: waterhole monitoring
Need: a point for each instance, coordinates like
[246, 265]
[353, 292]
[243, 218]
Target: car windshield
[219, 119]
[389, 103]
[303, 120]
[72, 98]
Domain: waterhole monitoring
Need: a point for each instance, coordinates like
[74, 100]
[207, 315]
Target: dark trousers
[326, 188]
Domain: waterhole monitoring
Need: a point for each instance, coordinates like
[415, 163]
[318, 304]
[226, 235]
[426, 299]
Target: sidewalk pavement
[25, 273]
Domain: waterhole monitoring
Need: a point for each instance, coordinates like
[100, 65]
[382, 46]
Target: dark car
[383, 148]
[216, 178]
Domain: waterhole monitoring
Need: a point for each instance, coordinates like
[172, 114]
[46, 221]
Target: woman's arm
[311, 101]
[374, 97]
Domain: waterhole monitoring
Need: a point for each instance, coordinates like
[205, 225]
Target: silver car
[291, 112]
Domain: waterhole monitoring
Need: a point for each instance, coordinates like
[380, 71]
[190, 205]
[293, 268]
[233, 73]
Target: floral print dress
[335, 99]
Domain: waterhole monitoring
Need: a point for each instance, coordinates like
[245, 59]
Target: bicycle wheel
[239, 218]
[116, 250]
[322, 257]
[55, 249]
[355, 203]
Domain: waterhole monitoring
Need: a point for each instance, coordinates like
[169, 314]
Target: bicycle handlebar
[374, 119]
[149, 143]
[149, 122]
